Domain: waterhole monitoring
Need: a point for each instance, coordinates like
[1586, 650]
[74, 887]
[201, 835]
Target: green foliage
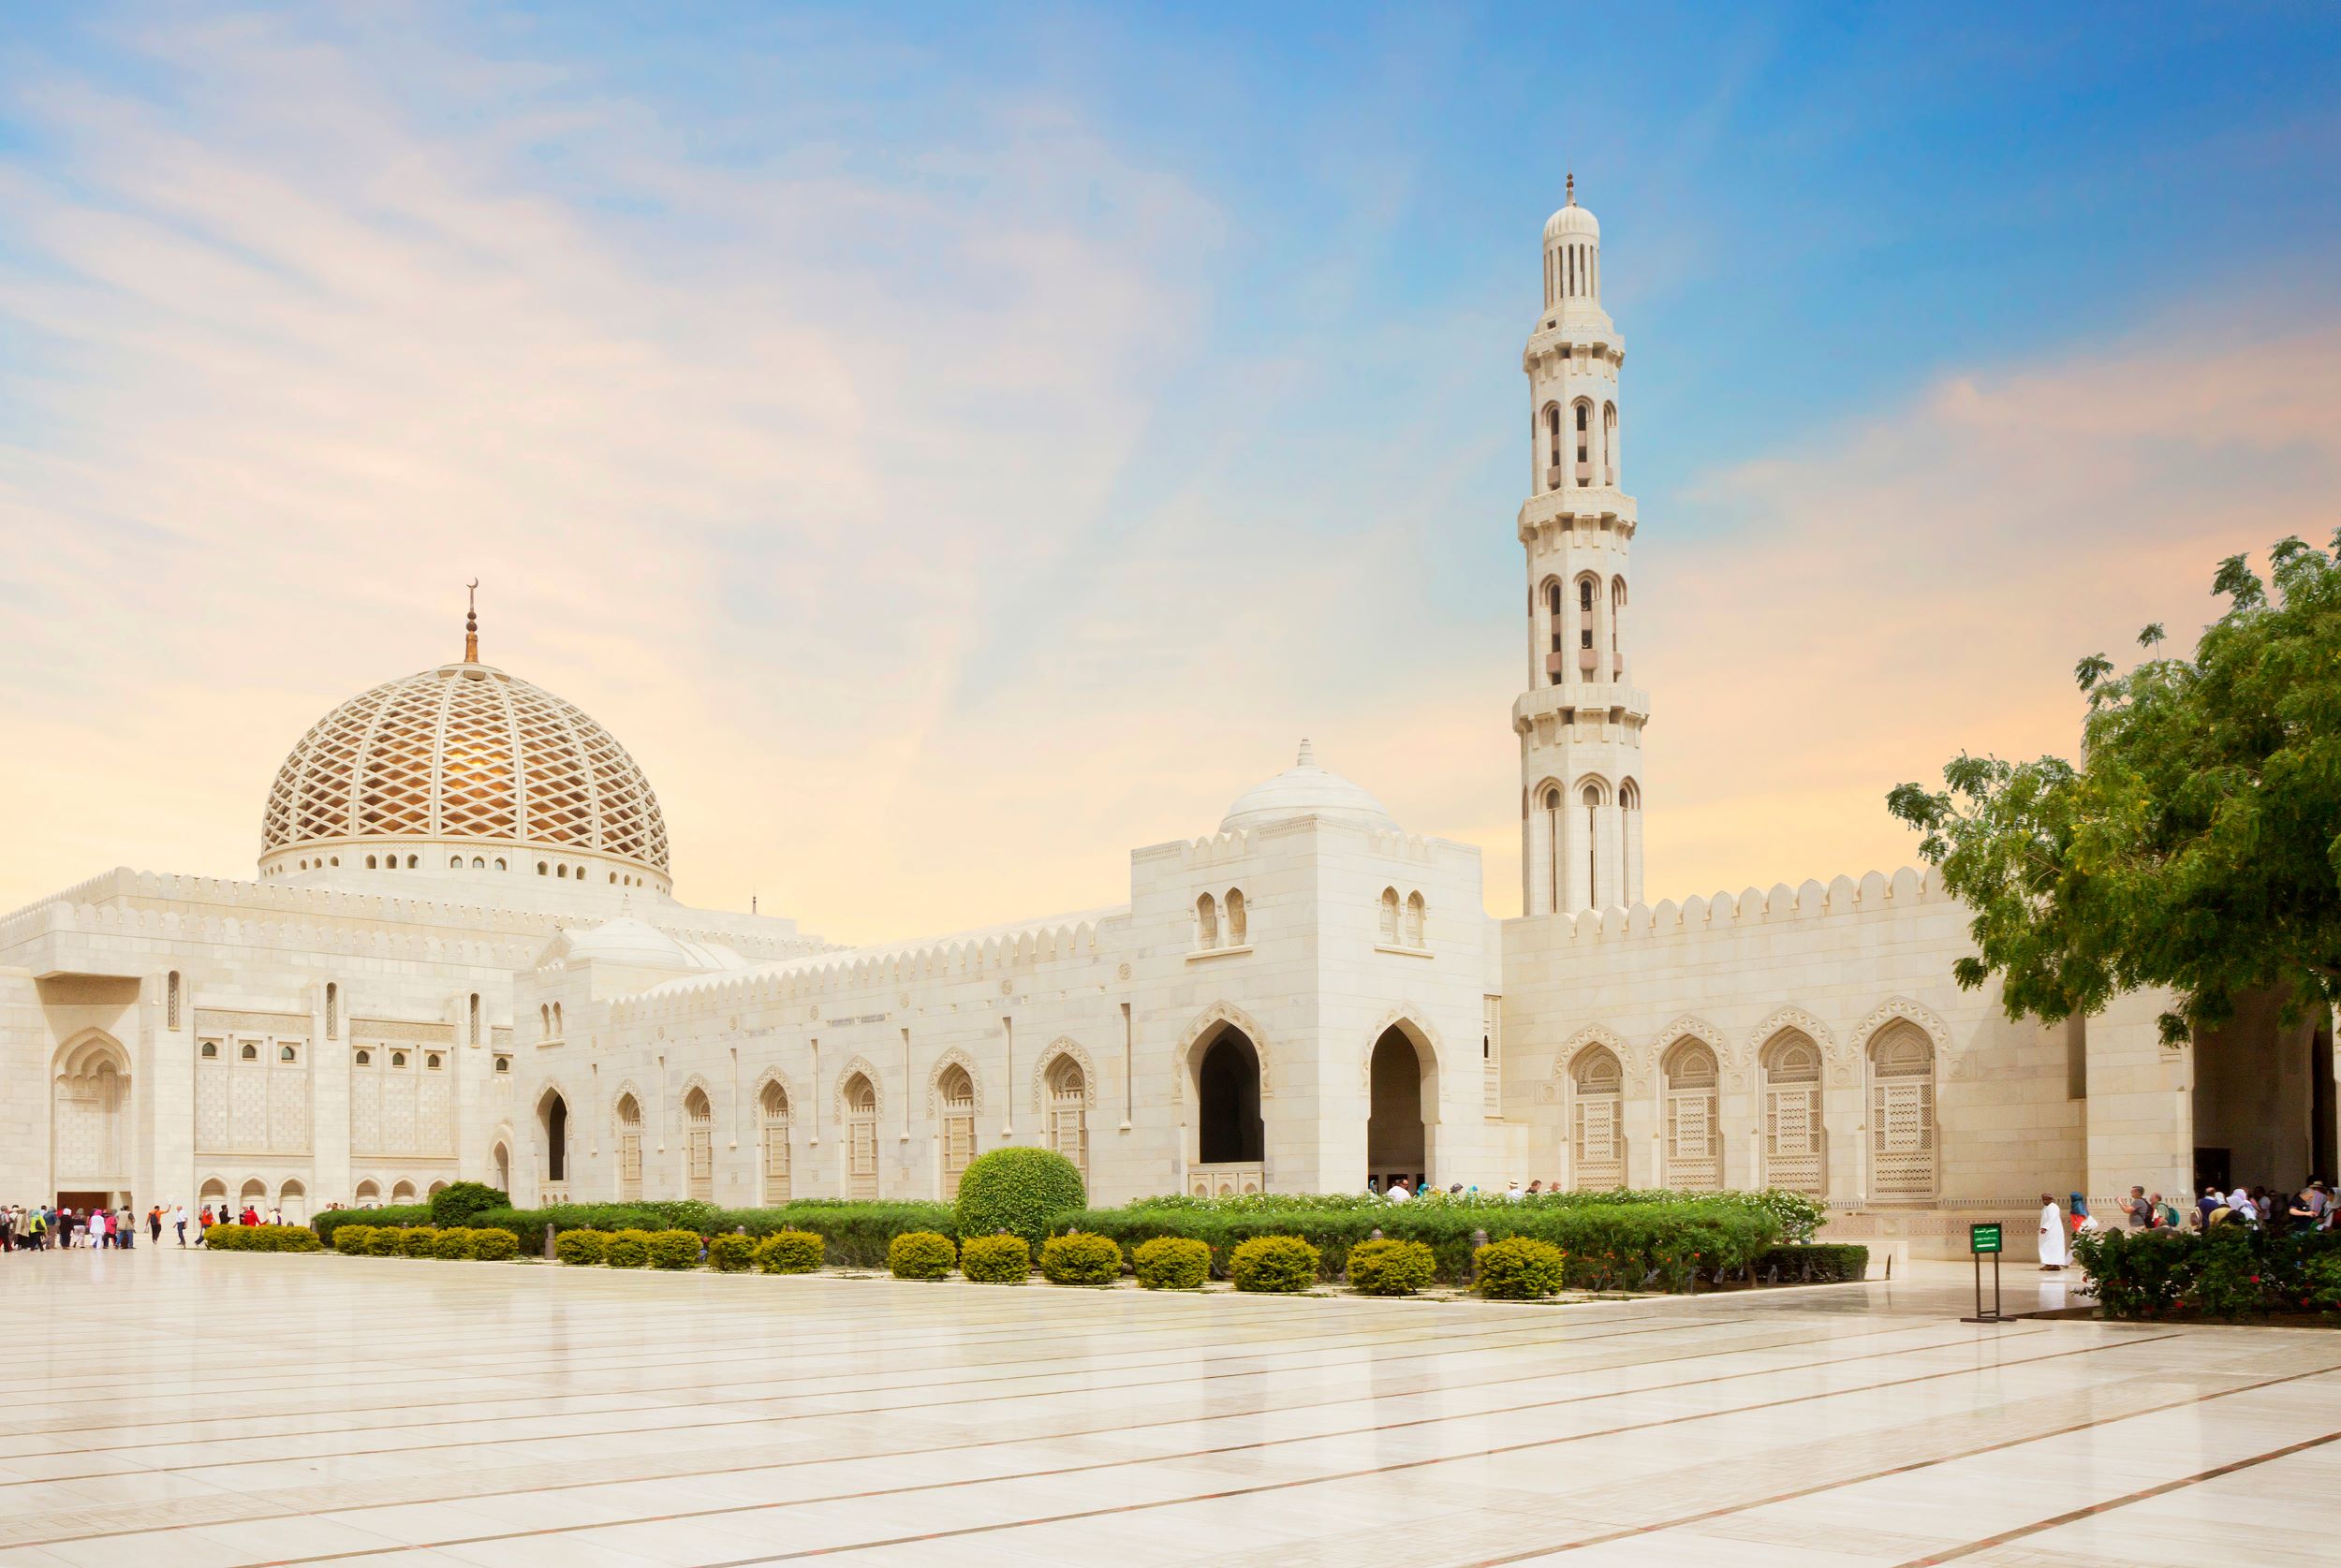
[856, 1233]
[1081, 1260]
[1798, 1216]
[386, 1241]
[790, 1251]
[453, 1206]
[1171, 1263]
[2230, 1271]
[417, 1241]
[2198, 847]
[626, 1249]
[1018, 1189]
[580, 1246]
[495, 1246]
[353, 1239]
[1824, 1264]
[450, 1243]
[727, 1254]
[2321, 1280]
[674, 1248]
[995, 1260]
[325, 1224]
[920, 1254]
[1273, 1265]
[1519, 1268]
[1388, 1267]
[261, 1239]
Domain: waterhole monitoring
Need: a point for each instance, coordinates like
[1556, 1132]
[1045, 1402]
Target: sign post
[1983, 1238]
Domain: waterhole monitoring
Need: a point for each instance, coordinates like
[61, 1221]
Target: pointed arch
[773, 1126]
[966, 1064]
[1200, 1032]
[90, 1131]
[1691, 1071]
[1905, 1008]
[1063, 1048]
[1411, 1020]
[1902, 1058]
[698, 1081]
[1592, 1069]
[1786, 1018]
[858, 1066]
[1691, 1026]
[770, 1078]
[1592, 1035]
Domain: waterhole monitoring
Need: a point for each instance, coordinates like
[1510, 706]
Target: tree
[2196, 847]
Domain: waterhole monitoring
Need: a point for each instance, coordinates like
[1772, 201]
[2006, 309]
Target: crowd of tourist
[2313, 1207]
[42, 1228]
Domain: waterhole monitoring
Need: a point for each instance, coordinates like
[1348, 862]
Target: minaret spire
[471, 625]
[1572, 189]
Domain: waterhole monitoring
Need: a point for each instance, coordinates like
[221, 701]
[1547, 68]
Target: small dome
[1572, 219]
[632, 943]
[1304, 789]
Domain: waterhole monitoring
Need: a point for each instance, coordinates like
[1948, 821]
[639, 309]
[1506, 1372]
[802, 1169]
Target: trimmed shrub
[451, 1244]
[1081, 1259]
[453, 1206]
[495, 1246]
[417, 1241]
[854, 1234]
[995, 1260]
[1274, 1264]
[325, 1224]
[262, 1238]
[387, 1241]
[626, 1249]
[675, 1249]
[1821, 1263]
[790, 1251]
[920, 1254]
[2321, 1282]
[1171, 1263]
[727, 1254]
[579, 1246]
[353, 1239]
[1519, 1268]
[1391, 1267]
[1018, 1191]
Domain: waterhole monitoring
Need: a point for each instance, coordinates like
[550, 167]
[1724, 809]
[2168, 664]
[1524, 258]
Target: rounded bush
[580, 1246]
[1519, 1268]
[626, 1249]
[495, 1246]
[453, 1205]
[354, 1239]
[1081, 1260]
[1172, 1263]
[920, 1254]
[1391, 1267]
[675, 1249]
[297, 1239]
[417, 1241]
[1275, 1265]
[1018, 1191]
[732, 1254]
[995, 1260]
[791, 1251]
[451, 1244]
[387, 1241]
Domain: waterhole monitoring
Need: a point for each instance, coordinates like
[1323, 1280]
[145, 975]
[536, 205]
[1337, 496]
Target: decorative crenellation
[1876, 893]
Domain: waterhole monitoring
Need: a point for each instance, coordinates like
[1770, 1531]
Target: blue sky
[1093, 377]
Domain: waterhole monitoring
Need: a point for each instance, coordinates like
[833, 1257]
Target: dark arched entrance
[1228, 1084]
[556, 1111]
[1395, 1142]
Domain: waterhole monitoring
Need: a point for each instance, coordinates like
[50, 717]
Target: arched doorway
[774, 1106]
[1068, 1113]
[1397, 1136]
[554, 1112]
[699, 1167]
[861, 1156]
[630, 1132]
[1596, 1083]
[1230, 1138]
[1694, 1142]
[293, 1198]
[90, 1114]
[503, 1168]
[957, 1093]
[1794, 1155]
[1902, 1113]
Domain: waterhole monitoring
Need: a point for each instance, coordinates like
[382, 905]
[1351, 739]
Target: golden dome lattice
[464, 752]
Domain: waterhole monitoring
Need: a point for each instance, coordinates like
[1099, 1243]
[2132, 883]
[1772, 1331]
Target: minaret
[1580, 722]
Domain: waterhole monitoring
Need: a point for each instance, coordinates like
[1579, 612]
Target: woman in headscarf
[2053, 1254]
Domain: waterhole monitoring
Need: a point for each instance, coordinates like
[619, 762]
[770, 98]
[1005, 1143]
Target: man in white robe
[2054, 1254]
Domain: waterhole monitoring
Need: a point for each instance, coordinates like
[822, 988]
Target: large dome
[440, 770]
[1304, 789]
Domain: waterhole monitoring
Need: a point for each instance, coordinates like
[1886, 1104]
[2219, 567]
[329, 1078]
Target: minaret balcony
[1590, 510]
[1600, 696]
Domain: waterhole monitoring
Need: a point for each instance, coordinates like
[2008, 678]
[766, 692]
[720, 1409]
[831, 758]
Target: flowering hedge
[2230, 1272]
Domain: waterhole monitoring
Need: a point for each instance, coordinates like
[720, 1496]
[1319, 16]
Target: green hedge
[495, 1246]
[856, 1235]
[2230, 1271]
[1820, 1263]
[626, 1249]
[1081, 1260]
[726, 1254]
[674, 1249]
[325, 1224]
[353, 1239]
[1171, 1263]
[261, 1239]
[995, 1260]
[790, 1251]
[1609, 1246]
[455, 1206]
[1519, 1268]
[581, 1247]
[1796, 1215]
[1389, 1267]
[1273, 1265]
[1020, 1190]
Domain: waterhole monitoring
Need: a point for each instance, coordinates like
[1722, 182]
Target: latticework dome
[459, 758]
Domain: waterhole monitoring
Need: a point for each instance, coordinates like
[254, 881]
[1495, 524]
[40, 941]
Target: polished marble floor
[186, 1411]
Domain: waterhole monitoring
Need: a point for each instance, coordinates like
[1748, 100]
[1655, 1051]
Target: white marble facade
[462, 956]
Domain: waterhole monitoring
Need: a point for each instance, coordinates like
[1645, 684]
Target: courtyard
[178, 1408]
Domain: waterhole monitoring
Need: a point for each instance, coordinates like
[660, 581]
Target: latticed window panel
[629, 1167]
[1069, 1129]
[775, 1158]
[862, 1153]
[464, 751]
[1902, 1113]
[1793, 1151]
[1598, 1139]
[1694, 1141]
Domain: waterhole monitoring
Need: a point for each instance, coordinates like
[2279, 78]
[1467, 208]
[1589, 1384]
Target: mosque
[462, 956]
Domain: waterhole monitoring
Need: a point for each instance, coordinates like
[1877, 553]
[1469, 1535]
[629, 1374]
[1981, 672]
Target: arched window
[1902, 1113]
[1694, 1139]
[472, 1033]
[561, 871]
[365, 1056]
[293, 1198]
[499, 863]
[1584, 438]
[1591, 797]
[248, 1052]
[544, 1021]
[1584, 594]
[1068, 1113]
[1596, 1120]
[504, 1063]
[502, 1160]
[403, 1192]
[543, 869]
[333, 1011]
[1206, 923]
[478, 863]
[455, 862]
[957, 1093]
[369, 862]
[1609, 444]
[772, 1116]
[629, 1150]
[431, 1061]
[861, 1161]
[287, 1053]
[171, 1006]
[1235, 918]
[254, 1194]
[398, 1059]
[210, 1051]
[558, 1033]
[698, 1147]
[1555, 820]
[1390, 917]
[1552, 471]
[1794, 1156]
[1414, 920]
[369, 1194]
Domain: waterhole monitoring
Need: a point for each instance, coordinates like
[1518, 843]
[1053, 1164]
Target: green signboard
[1983, 1238]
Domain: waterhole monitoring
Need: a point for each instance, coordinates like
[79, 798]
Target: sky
[952, 446]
